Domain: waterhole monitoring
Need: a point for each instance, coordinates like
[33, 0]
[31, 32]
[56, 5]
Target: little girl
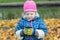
[31, 26]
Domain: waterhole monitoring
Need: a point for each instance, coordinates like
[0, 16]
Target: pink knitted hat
[29, 5]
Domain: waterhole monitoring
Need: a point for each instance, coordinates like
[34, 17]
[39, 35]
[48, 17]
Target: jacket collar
[36, 18]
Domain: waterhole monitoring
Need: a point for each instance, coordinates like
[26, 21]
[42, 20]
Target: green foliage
[11, 13]
[7, 1]
[49, 12]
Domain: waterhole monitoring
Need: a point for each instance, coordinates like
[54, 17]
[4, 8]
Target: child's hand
[37, 34]
[28, 31]
[22, 33]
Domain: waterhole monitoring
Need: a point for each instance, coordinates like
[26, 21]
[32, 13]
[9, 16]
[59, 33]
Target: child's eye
[27, 14]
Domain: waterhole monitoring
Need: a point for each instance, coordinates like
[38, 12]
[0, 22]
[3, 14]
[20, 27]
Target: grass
[44, 13]
[9, 1]
[49, 12]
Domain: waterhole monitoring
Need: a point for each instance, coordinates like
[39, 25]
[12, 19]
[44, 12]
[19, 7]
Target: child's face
[30, 15]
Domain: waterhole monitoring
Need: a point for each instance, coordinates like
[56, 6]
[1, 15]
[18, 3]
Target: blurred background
[10, 14]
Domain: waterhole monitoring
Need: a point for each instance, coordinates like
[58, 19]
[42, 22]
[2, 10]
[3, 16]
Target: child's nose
[29, 15]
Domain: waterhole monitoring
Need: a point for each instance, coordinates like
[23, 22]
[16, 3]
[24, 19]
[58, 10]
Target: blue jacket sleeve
[42, 26]
[19, 26]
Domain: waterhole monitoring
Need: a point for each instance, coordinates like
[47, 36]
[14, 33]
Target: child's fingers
[37, 34]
